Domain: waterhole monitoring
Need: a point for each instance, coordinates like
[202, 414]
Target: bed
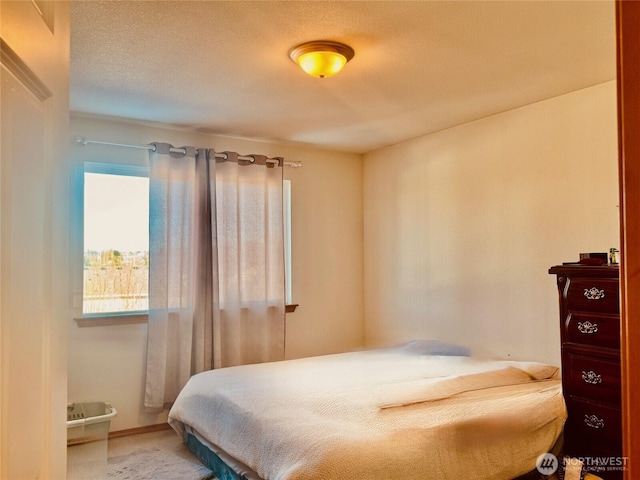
[409, 412]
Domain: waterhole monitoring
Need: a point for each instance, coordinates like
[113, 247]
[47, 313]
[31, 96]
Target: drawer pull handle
[593, 293]
[593, 421]
[587, 327]
[591, 377]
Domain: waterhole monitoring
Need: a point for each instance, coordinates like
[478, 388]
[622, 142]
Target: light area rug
[156, 464]
[152, 456]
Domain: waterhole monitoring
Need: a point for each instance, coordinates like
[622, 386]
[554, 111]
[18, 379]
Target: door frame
[628, 81]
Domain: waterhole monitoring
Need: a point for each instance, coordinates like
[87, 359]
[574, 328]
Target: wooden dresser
[590, 336]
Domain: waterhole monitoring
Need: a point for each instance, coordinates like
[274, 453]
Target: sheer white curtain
[172, 242]
[216, 275]
[250, 251]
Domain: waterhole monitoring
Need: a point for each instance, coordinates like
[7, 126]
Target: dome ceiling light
[321, 58]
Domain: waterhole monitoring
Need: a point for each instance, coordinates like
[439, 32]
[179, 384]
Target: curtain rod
[83, 141]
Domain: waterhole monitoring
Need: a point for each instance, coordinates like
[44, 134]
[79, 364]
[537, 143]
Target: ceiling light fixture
[321, 58]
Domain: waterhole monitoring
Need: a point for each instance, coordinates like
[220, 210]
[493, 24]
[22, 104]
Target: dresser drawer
[593, 378]
[594, 424]
[594, 330]
[593, 295]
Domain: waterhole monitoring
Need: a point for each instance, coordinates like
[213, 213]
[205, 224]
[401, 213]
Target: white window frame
[116, 169]
[116, 317]
[286, 209]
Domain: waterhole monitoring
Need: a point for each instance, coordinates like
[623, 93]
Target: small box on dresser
[590, 346]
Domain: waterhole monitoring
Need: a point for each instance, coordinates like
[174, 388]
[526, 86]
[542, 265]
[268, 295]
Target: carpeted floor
[153, 456]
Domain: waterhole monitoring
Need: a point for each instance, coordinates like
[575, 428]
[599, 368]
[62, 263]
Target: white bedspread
[380, 415]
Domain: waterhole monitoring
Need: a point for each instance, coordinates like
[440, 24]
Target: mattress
[388, 413]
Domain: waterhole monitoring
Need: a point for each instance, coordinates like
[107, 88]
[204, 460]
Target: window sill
[98, 320]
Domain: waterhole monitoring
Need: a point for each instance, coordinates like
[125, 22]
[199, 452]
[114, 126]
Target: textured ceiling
[420, 66]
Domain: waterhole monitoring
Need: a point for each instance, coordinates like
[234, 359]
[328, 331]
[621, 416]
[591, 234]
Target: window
[286, 207]
[116, 239]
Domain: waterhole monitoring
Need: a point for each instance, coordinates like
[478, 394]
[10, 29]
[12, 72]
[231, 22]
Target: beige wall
[462, 225]
[107, 363]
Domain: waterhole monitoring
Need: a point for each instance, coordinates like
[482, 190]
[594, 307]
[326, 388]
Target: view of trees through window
[116, 243]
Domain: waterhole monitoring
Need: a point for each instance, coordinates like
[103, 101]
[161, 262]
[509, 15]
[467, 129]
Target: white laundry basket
[88, 422]
[87, 435]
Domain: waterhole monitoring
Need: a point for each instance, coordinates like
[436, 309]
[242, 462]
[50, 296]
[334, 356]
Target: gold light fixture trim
[321, 58]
